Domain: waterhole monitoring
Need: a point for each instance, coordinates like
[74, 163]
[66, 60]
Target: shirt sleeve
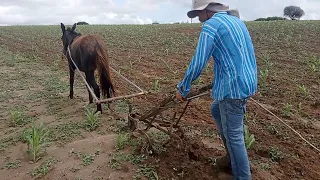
[199, 61]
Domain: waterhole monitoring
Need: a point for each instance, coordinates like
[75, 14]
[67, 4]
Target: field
[34, 88]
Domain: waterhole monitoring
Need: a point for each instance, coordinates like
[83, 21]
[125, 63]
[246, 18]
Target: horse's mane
[73, 32]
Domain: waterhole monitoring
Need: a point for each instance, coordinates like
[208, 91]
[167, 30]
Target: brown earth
[149, 53]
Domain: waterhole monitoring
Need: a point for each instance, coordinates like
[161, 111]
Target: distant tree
[274, 18]
[293, 12]
[155, 22]
[82, 23]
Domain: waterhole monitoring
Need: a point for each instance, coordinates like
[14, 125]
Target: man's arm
[198, 62]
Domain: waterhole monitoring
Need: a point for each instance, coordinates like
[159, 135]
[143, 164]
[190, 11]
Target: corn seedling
[156, 85]
[16, 118]
[286, 111]
[264, 74]
[92, 119]
[300, 107]
[267, 62]
[249, 138]
[37, 139]
[303, 90]
[314, 64]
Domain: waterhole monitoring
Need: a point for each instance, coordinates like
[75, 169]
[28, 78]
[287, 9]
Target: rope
[313, 146]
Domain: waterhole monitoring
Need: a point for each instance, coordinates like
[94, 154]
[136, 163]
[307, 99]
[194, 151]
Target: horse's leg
[110, 104]
[90, 96]
[71, 81]
[92, 82]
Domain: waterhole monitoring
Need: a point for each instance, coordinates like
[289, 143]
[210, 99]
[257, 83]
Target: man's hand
[179, 97]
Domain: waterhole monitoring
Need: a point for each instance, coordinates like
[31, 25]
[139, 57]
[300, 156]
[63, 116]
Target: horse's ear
[74, 26]
[63, 28]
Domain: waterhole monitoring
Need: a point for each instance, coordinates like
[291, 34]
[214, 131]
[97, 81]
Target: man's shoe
[224, 162]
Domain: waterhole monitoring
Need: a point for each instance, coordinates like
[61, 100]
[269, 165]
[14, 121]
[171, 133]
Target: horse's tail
[104, 72]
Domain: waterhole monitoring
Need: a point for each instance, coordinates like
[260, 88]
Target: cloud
[36, 12]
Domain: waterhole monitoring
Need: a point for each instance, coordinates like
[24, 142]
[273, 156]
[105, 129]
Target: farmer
[226, 38]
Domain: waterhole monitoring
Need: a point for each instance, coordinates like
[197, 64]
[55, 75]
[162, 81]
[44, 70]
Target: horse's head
[67, 36]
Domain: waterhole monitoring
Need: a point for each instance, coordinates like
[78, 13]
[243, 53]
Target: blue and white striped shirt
[227, 40]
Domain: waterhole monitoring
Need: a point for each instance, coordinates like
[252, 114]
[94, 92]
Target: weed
[65, 132]
[122, 140]
[272, 129]
[92, 119]
[37, 139]
[275, 154]
[43, 169]
[119, 157]
[12, 165]
[87, 159]
[74, 169]
[209, 133]
[18, 119]
[265, 166]
[197, 81]
[148, 172]
[10, 62]
[286, 111]
[249, 138]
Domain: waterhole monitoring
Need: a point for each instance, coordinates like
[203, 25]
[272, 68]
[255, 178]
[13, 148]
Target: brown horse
[89, 53]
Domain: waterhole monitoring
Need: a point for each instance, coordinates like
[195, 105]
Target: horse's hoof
[98, 112]
[71, 96]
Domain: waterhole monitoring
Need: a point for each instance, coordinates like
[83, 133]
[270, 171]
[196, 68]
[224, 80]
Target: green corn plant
[264, 76]
[156, 85]
[16, 118]
[286, 111]
[249, 138]
[267, 61]
[303, 90]
[92, 119]
[37, 139]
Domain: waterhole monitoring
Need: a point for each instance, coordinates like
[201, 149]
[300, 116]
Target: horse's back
[89, 43]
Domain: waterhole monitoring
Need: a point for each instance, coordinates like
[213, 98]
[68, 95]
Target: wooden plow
[154, 119]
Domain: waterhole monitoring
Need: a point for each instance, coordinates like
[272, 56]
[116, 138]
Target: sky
[53, 12]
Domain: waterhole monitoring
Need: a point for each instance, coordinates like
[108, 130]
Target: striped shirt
[228, 41]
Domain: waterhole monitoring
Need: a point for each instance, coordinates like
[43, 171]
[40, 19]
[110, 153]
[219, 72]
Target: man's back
[235, 68]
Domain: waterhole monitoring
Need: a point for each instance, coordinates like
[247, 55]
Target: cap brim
[194, 13]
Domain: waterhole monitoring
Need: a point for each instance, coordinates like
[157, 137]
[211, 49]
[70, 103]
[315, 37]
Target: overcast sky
[36, 12]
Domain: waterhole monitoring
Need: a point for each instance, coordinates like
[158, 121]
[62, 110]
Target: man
[226, 38]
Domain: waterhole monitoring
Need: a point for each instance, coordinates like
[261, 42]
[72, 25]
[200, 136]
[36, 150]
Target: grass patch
[275, 154]
[65, 132]
[92, 120]
[12, 165]
[43, 169]
[122, 140]
[118, 158]
[19, 119]
[87, 159]
[148, 172]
